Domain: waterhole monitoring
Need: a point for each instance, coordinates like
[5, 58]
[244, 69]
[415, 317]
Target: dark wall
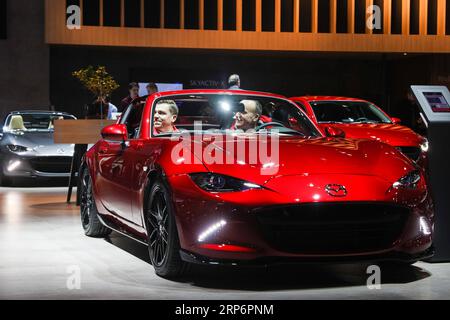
[24, 58]
[410, 70]
[288, 74]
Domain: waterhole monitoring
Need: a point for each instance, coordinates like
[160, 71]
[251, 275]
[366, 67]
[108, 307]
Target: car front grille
[333, 228]
[411, 152]
[51, 164]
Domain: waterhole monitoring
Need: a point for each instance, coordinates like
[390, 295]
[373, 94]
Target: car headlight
[424, 146]
[409, 181]
[220, 183]
[17, 148]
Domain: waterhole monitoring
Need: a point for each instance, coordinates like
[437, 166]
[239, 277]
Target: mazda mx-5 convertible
[27, 149]
[241, 177]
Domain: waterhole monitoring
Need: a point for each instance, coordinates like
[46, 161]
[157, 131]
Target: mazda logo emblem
[336, 190]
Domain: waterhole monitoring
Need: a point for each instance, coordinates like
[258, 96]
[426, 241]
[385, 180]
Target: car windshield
[222, 113]
[348, 112]
[34, 121]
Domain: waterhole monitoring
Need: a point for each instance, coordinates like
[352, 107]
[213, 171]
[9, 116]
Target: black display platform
[439, 169]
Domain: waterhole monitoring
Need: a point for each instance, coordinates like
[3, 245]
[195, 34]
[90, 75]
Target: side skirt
[120, 230]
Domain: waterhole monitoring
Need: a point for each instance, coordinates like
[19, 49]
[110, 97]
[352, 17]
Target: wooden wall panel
[296, 15]
[423, 18]
[333, 15]
[441, 17]
[57, 33]
[387, 20]
[351, 16]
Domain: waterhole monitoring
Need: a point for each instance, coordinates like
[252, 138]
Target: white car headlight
[219, 183]
[17, 148]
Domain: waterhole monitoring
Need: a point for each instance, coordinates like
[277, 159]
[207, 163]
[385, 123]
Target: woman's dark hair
[132, 85]
[152, 85]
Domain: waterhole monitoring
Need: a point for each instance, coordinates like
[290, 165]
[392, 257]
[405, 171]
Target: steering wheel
[267, 124]
[361, 119]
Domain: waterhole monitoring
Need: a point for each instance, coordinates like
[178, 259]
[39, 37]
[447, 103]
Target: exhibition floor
[42, 248]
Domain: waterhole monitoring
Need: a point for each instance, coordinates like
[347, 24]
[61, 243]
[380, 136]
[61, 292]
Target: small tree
[98, 81]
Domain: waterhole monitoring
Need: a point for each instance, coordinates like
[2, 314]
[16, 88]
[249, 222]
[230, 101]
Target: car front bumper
[36, 167]
[213, 231]
[268, 261]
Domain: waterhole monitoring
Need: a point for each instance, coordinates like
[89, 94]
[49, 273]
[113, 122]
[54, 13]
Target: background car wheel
[89, 214]
[163, 241]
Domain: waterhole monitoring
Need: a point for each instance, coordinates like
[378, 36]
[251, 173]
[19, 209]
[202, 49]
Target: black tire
[89, 213]
[162, 233]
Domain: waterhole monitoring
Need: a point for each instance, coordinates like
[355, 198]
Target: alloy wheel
[86, 201]
[158, 226]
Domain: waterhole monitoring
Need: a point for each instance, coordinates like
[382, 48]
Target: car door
[116, 167]
[111, 182]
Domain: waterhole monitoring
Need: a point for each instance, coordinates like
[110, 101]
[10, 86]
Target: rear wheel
[89, 214]
[163, 241]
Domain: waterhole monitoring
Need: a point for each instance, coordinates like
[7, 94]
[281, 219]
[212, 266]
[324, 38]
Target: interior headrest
[16, 123]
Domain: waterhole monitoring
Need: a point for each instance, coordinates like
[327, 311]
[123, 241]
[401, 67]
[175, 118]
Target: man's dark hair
[107, 99]
[153, 86]
[133, 85]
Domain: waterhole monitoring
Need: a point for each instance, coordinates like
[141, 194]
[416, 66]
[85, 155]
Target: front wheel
[162, 234]
[89, 214]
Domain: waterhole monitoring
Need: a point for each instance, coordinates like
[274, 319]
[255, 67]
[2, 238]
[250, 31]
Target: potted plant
[98, 81]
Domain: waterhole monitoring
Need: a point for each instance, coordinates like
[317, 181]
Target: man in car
[247, 120]
[166, 113]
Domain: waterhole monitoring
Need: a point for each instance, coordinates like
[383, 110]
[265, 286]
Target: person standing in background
[133, 89]
[234, 82]
[151, 88]
[111, 108]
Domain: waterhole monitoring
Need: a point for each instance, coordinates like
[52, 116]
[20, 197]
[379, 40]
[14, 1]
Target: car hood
[319, 157]
[393, 134]
[41, 143]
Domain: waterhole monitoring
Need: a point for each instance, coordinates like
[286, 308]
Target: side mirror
[396, 120]
[115, 132]
[334, 132]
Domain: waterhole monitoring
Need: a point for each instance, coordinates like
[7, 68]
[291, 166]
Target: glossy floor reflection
[42, 246]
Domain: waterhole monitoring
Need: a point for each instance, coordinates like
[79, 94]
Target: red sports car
[364, 120]
[241, 177]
